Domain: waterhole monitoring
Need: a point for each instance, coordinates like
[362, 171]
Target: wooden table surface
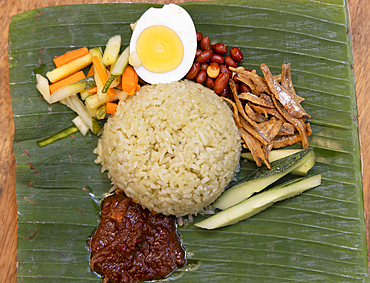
[359, 11]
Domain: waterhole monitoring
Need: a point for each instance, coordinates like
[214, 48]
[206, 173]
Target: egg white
[177, 19]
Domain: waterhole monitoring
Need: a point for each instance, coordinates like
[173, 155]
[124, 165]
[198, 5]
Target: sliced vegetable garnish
[102, 74]
[261, 178]
[70, 56]
[130, 80]
[42, 86]
[69, 69]
[111, 51]
[259, 202]
[100, 113]
[118, 68]
[81, 125]
[281, 153]
[62, 134]
[111, 107]
[72, 89]
[66, 81]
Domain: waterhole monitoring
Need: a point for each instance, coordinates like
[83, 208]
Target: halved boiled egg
[165, 41]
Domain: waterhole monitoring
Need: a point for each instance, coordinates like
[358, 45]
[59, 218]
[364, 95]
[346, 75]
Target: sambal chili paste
[131, 244]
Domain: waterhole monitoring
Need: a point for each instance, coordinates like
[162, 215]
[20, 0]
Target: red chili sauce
[131, 244]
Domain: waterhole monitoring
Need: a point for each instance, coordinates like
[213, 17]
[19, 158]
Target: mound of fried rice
[171, 147]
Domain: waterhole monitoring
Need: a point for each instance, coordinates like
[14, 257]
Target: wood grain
[359, 11]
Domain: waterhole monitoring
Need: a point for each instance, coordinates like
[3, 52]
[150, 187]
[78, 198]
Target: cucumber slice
[77, 105]
[58, 136]
[72, 89]
[81, 125]
[85, 94]
[93, 101]
[101, 112]
[280, 153]
[259, 202]
[111, 51]
[261, 178]
[42, 86]
[96, 51]
[69, 68]
[118, 68]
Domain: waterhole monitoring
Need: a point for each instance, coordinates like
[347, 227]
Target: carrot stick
[70, 56]
[68, 80]
[102, 74]
[129, 77]
[111, 107]
[93, 90]
[129, 80]
[91, 71]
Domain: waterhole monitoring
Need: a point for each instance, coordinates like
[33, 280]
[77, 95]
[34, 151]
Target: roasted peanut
[199, 36]
[225, 92]
[205, 56]
[221, 82]
[219, 48]
[194, 70]
[244, 88]
[204, 66]
[236, 54]
[198, 52]
[213, 70]
[205, 43]
[201, 77]
[210, 82]
[217, 58]
[225, 69]
[230, 62]
[235, 78]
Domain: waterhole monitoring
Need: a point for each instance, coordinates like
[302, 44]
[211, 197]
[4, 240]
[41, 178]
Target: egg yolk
[160, 49]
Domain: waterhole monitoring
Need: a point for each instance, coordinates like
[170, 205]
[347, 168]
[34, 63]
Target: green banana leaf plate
[318, 236]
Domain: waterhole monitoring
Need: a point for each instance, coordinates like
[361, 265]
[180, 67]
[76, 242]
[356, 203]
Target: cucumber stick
[261, 178]
[111, 50]
[280, 153]
[42, 86]
[69, 68]
[72, 89]
[259, 202]
[118, 68]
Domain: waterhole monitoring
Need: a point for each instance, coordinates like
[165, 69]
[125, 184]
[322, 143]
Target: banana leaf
[317, 236]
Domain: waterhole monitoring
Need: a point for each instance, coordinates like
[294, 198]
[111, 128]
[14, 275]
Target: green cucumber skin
[275, 154]
[281, 153]
[121, 65]
[261, 178]
[279, 166]
[72, 89]
[259, 202]
[108, 83]
[89, 82]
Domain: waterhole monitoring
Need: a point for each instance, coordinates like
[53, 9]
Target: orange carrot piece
[70, 56]
[132, 91]
[111, 107]
[129, 78]
[68, 80]
[138, 87]
[91, 71]
[127, 88]
[102, 75]
[93, 90]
